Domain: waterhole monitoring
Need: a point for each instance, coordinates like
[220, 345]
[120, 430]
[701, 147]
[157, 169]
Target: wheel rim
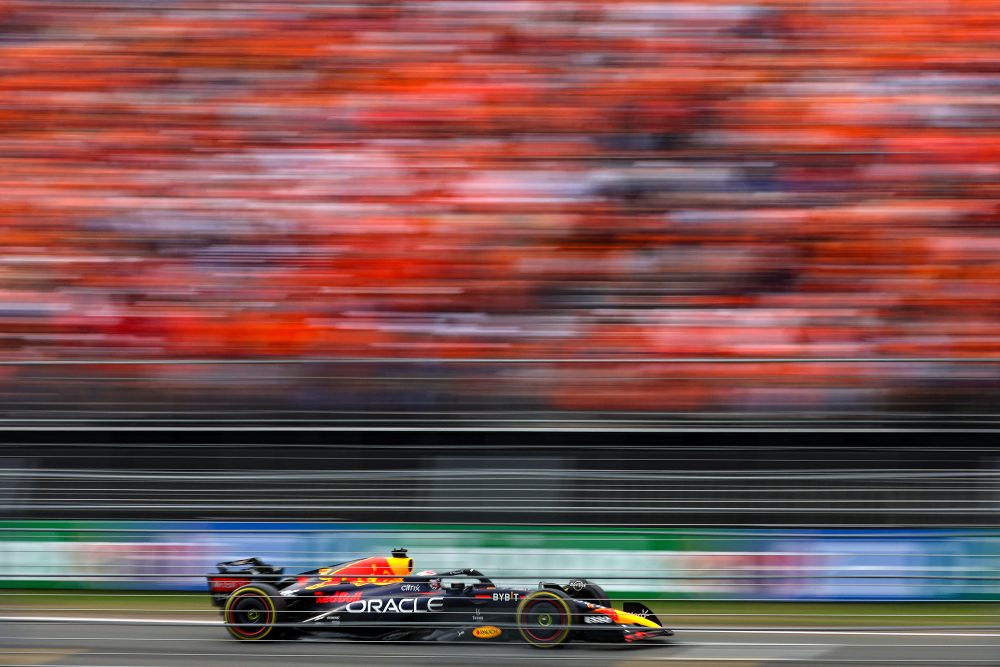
[249, 615]
[544, 620]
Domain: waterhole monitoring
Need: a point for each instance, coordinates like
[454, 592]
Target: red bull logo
[338, 597]
[374, 570]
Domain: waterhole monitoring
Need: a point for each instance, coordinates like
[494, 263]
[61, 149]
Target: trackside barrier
[732, 564]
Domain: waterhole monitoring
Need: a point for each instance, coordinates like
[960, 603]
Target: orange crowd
[512, 179]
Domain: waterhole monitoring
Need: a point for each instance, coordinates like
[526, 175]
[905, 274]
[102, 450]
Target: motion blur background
[509, 180]
[607, 235]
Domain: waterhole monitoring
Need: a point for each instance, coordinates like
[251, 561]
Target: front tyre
[544, 618]
[252, 612]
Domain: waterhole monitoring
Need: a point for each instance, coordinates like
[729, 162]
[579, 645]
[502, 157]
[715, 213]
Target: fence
[665, 480]
[638, 392]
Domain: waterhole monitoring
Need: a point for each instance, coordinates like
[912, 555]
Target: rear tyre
[252, 613]
[544, 618]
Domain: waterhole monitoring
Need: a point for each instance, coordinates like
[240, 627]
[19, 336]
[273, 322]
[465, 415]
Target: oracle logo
[395, 606]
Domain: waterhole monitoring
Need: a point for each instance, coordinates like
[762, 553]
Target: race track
[108, 643]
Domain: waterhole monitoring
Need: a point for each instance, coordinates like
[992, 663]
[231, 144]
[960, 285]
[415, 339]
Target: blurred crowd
[511, 179]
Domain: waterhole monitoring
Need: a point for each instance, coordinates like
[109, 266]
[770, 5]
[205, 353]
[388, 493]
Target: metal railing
[495, 392]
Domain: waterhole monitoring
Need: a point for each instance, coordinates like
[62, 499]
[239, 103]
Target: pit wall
[732, 564]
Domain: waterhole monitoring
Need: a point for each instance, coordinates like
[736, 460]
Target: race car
[379, 598]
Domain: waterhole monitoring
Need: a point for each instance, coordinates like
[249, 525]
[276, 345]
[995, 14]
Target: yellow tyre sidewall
[269, 631]
[564, 606]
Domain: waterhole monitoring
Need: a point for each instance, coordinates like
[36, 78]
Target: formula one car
[379, 598]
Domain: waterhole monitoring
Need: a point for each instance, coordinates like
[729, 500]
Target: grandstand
[431, 181]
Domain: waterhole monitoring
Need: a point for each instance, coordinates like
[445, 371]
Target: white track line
[881, 633]
[754, 631]
[334, 641]
[100, 619]
[549, 658]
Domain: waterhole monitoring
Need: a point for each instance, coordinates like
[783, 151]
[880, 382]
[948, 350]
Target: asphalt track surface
[110, 643]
